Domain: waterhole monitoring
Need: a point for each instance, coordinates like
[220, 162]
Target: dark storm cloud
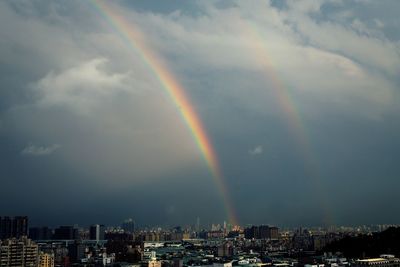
[90, 133]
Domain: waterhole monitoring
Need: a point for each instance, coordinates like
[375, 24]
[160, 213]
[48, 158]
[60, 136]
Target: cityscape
[199, 133]
[220, 245]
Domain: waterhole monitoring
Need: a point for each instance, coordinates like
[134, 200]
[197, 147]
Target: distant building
[115, 236]
[223, 264]
[65, 233]
[273, 232]
[261, 232]
[128, 226]
[226, 250]
[76, 251]
[252, 232]
[153, 262]
[61, 257]
[13, 227]
[383, 261]
[46, 260]
[177, 262]
[179, 236]
[314, 265]
[215, 234]
[40, 233]
[97, 232]
[21, 252]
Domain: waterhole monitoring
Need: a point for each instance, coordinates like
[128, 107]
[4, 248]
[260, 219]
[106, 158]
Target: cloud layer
[256, 72]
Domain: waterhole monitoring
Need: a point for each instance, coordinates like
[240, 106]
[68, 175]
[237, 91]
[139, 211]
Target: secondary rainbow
[135, 41]
[294, 122]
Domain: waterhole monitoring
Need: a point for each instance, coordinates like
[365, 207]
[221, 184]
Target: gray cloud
[257, 150]
[34, 150]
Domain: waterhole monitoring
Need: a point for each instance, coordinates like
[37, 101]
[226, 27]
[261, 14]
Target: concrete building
[46, 260]
[21, 252]
[153, 262]
[262, 232]
[13, 227]
[225, 250]
[97, 232]
[40, 233]
[65, 233]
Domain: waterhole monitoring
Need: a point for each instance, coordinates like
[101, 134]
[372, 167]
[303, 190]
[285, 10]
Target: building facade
[46, 260]
[21, 252]
[13, 227]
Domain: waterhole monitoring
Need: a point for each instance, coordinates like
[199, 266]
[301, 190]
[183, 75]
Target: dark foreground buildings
[18, 252]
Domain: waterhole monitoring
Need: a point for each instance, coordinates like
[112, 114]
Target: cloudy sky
[300, 100]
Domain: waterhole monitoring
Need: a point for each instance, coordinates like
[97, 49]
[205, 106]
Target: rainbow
[135, 41]
[294, 122]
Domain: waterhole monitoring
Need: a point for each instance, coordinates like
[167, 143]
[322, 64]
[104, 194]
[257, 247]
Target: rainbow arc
[136, 42]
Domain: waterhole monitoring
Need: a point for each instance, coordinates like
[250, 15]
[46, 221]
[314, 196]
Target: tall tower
[97, 232]
[225, 232]
[198, 225]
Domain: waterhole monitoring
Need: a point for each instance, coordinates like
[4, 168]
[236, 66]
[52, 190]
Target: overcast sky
[300, 100]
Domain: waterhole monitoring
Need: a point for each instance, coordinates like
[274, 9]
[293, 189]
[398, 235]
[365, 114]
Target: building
[46, 260]
[97, 232]
[21, 252]
[153, 262]
[13, 227]
[128, 226]
[382, 261]
[225, 250]
[273, 232]
[65, 233]
[40, 233]
[76, 251]
[252, 232]
[262, 232]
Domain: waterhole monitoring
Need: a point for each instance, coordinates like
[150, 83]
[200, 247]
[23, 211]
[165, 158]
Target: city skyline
[277, 112]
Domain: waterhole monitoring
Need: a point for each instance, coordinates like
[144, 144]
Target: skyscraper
[13, 227]
[65, 233]
[97, 232]
[198, 225]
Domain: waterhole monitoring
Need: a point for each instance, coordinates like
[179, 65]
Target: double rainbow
[135, 41]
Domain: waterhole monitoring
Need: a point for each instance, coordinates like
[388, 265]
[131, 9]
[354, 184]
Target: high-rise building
[225, 250]
[97, 232]
[21, 252]
[262, 232]
[40, 233]
[65, 233]
[13, 227]
[46, 260]
[273, 232]
[5, 227]
[198, 225]
[76, 251]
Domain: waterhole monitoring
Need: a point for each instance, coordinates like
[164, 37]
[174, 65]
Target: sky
[299, 100]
